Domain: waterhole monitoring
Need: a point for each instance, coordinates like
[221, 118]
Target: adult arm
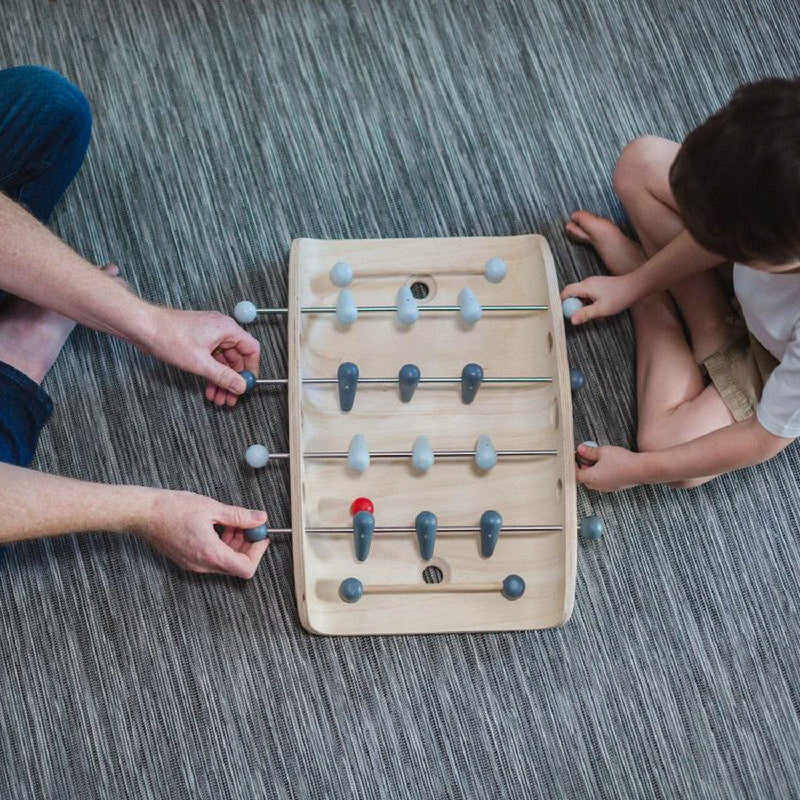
[179, 524]
[610, 294]
[735, 446]
[37, 266]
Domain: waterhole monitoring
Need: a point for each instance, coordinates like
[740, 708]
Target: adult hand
[208, 344]
[609, 469]
[181, 526]
[609, 294]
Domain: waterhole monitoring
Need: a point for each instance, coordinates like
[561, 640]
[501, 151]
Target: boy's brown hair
[737, 177]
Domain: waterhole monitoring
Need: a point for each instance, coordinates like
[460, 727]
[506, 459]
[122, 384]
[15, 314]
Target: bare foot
[31, 337]
[619, 253]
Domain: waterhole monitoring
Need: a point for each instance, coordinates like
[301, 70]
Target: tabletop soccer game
[432, 467]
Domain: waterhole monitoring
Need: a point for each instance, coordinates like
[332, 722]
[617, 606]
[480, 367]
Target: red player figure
[361, 504]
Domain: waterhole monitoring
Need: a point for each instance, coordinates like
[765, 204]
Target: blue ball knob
[350, 590]
[513, 587]
[257, 456]
[570, 306]
[592, 528]
[245, 312]
[577, 380]
[257, 534]
[249, 380]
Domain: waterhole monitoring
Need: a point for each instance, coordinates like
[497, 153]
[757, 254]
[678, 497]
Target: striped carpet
[222, 131]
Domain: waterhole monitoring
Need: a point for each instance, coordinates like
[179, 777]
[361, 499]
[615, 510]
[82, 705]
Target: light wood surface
[526, 491]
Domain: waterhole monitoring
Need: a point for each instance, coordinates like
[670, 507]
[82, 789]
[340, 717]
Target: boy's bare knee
[634, 164]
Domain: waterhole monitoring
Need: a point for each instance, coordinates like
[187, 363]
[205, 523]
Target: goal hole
[420, 290]
[432, 575]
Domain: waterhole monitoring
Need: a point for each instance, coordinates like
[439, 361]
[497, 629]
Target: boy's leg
[641, 180]
[45, 127]
[674, 403]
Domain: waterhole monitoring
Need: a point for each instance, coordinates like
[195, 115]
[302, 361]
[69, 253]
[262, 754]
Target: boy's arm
[37, 266]
[735, 446]
[609, 295]
[179, 524]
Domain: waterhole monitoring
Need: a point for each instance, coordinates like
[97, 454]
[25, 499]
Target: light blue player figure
[358, 455]
[346, 309]
[341, 274]
[422, 454]
[485, 454]
[495, 270]
[471, 310]
[407, 308]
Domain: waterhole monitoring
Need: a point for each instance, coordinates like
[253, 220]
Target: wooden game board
[530, 490]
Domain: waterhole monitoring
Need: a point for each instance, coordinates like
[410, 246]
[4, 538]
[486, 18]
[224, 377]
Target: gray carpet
[222, 131]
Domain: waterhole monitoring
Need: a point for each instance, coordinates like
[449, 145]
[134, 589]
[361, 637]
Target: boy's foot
[619, 253]
[31, 337]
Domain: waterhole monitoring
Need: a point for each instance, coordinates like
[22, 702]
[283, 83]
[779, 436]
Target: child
[729, 395]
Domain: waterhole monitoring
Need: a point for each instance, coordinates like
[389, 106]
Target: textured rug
[222, 131]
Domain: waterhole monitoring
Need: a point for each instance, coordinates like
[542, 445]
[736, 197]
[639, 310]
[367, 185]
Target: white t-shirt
[771, 306]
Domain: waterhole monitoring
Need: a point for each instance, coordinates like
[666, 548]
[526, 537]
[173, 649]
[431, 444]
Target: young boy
[729, 396]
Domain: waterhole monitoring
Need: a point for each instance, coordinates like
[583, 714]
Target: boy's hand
[609, 294]
[205, 343]
[181, 526]
[612, 468]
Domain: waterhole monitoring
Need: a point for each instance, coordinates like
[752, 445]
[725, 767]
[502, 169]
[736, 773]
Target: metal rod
[429, 588]
[393, 309]
[443, 529]
[436, 453]
[284, 381]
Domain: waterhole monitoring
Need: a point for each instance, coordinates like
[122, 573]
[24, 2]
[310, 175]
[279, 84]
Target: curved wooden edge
[294, 402]
[567, 435]
[294, 322]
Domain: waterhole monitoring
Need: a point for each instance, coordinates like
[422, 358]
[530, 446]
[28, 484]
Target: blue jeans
[45, 127]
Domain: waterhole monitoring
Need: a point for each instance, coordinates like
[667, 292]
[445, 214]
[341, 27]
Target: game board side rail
[294, 398]
[567, 435]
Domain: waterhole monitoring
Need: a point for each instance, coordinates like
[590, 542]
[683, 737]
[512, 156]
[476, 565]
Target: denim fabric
[45, 127]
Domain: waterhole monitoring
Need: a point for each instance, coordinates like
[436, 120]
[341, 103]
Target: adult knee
[633, 166]
[67, 106]
[59, 105]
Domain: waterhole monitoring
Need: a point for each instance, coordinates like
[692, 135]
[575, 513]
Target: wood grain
[536, 490]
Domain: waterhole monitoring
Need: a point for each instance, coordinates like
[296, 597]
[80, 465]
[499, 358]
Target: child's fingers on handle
[573, 290]
[588, 453]
[587, 313]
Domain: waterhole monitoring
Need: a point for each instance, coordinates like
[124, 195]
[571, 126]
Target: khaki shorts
[742, 367]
